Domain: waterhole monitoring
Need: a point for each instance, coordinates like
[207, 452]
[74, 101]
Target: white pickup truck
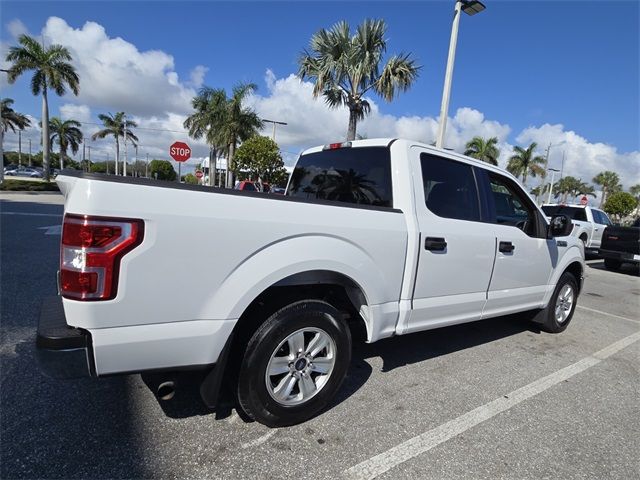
[391, 236]
[589, 223]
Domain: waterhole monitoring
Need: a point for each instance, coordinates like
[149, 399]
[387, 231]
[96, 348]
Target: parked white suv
[589, 222]
[394, 235]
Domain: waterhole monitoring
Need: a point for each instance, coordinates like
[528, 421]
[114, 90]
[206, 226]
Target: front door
[457, 250]
[525, 258]
[600, 222]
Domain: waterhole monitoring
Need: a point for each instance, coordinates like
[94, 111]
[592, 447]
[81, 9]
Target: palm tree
[239, 123]
[210, 108]
[68, 135]
[524, 163]
[116, 126]
[223, 121]
[344, 67]
[483, 149]
[51, 69]
[609, 181]
[572, 187]
[9, 120]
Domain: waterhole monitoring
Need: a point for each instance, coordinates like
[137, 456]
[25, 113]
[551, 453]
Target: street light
[553, 173]
[470, 7]
[274, 126]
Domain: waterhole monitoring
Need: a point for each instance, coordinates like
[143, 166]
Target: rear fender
[296, 255]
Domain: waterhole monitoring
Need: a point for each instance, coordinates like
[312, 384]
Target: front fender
[300, 254]
[574, 253]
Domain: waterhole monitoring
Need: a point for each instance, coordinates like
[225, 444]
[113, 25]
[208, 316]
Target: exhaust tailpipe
[166, 390]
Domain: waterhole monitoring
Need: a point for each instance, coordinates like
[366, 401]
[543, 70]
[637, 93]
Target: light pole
[470, 7]
[273, 137]
[553, 173]
[124, 120]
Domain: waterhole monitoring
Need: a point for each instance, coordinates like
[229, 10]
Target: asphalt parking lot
[493, 399]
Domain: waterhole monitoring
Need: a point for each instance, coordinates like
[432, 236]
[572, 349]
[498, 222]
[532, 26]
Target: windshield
[574, 213]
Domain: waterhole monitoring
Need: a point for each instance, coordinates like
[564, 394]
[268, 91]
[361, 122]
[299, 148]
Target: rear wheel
[612, 264]
[294, 364]
[556, 317]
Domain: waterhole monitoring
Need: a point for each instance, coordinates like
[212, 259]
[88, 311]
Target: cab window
[508, 205]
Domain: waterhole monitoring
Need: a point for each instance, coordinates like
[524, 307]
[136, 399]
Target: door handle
[506, 247]
[437, 244]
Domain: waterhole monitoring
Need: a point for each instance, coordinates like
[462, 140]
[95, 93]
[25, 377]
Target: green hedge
[28, 186]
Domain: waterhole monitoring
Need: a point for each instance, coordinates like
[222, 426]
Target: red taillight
[91, 250]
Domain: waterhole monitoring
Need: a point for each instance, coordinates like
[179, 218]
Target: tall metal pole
[30, 159]
[89, 158]
[446, 92]
[19, 147]
[124, 119]
[136, 164]
[553, 173]
[84, 154]
[146, 167]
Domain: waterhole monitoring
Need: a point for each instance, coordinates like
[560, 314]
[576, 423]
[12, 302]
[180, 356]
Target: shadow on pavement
[625, 269]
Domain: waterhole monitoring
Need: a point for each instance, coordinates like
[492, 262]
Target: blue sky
[521, 64]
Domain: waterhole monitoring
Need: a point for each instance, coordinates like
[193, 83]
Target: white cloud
[70, 111]
[16, 28]
[311, 122]
[582, 159]
[115, 75]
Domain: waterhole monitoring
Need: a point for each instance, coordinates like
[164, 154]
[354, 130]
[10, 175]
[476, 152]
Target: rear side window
[350, 175]
[449, 188]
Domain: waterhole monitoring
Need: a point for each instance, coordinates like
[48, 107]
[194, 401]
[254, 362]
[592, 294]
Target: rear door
[525, 258]
[457, 249]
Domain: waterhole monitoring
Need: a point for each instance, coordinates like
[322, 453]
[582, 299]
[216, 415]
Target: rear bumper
[620, 256]
[63, 351]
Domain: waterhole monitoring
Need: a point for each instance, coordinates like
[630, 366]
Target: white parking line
[415, 446]
[33, 214]
[607, 314]
[260, 440]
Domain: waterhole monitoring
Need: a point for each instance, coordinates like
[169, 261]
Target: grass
[11, 185]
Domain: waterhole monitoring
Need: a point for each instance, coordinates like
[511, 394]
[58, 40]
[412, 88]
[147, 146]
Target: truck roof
[386, 142]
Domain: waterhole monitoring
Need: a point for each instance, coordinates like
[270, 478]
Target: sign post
[180, 152]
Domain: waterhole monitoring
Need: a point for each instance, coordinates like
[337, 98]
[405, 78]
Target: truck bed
[203, 245]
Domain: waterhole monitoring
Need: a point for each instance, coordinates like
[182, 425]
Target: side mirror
[559, 226]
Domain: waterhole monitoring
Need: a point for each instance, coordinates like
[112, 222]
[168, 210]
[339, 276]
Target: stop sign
[584, 200]
[180, 152]
[199, 174]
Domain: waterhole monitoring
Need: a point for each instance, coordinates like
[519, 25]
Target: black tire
[547, 317]
[612, 264]
[253, 396]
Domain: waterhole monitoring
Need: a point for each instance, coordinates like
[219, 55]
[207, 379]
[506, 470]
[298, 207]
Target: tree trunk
[1, 154]
[524, 178]
[63, 152]
[353, 122]
[46, 160]
[229, 182]
[604, 194]
[117, 153]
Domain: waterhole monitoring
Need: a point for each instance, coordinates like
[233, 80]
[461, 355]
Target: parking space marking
[607, 314]
[260, 440]
[33, 214]
[415, 446]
